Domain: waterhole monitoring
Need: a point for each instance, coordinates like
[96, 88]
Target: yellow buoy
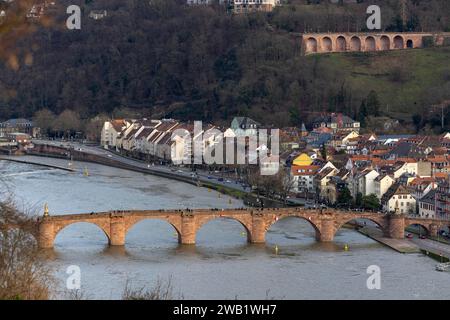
[276, 249]
[86, 172]
[346, 247]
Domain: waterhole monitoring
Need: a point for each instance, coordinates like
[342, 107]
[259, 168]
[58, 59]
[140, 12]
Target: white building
[382, 183]
[427, 205]
[112, 131]
[399, 200]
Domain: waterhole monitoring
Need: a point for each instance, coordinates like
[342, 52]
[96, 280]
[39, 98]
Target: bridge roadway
[326, 222]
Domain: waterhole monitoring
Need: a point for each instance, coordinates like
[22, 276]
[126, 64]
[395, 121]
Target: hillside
[168, 59]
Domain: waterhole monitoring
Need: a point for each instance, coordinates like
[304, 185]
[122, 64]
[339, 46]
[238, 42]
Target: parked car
[409, 236]
[422, 237]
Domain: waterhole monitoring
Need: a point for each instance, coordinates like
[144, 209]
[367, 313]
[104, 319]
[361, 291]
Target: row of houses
[171, 140]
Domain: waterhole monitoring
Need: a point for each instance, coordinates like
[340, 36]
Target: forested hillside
[163, 58]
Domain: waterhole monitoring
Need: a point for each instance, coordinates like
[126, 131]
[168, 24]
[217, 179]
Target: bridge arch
[136, 222]
[421, 226]
[380, 223]
[311, 45]
[61, 227]
[327, 44]
[355, 44]
[300, 217]
[206, 219]
[399, 42]
[341, 44]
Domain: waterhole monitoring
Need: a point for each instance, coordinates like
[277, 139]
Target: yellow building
[302, 160]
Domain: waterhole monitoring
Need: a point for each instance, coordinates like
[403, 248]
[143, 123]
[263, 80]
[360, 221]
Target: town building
[244, 6]
[399, 200]
[18, 126]
[336, 122]
[427, 205]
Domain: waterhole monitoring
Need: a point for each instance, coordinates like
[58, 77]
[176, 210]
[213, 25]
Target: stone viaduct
[116, 224]
[365, 42]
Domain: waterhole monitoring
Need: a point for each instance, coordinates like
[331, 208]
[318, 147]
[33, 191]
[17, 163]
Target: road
[433, 246]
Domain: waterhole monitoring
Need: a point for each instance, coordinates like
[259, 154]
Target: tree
[371, 202]
[362, 113]
[45, 120]
[417, 120]
[67, 122]
[373, 104]
[345, 197]
[359, 200]
[94, 127]
[24, 276]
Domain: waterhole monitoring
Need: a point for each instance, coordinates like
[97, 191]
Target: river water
[221, 265]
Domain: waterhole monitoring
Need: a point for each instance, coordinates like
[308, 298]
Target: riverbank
[399, 245]
[9, 158]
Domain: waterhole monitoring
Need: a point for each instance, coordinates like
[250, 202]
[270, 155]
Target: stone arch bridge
[116, 224]
[366, 42]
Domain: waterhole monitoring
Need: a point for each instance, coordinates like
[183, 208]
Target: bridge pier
[396, 226]
[326, 231]
[117, 230]
[434, 230]
[46, 234]
[258, 232]
[188, 229]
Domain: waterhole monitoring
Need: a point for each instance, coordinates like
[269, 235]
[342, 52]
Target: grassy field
[406, 81]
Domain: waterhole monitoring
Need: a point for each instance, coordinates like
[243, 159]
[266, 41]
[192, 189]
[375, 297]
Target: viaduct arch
[366, 42]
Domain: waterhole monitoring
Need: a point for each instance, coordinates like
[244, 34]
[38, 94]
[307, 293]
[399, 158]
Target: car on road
[409, 236]
[220, 179]
[209, 177]
[422, 237]
[228, 181]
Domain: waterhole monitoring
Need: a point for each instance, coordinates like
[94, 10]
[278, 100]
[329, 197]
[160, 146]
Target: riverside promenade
[414, 245]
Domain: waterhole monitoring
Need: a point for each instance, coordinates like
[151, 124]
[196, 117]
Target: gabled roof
[395, 189]
[325, 172]
[334, 118]
[245, 122]
[429, 197]
[16, 122]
